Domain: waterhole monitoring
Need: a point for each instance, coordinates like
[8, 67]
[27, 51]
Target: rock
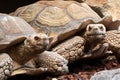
[107, 75]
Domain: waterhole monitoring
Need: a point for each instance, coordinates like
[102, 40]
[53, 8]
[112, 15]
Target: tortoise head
[95, 32]
[38, 41]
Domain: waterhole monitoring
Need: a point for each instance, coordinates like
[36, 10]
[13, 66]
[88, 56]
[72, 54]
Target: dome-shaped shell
[13, 30]
[57, 18]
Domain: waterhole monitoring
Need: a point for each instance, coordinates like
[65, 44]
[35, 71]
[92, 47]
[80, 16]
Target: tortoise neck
[23, 53]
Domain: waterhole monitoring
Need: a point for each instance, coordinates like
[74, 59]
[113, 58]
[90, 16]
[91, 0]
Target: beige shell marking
[9, 25]
[53, 16]
[6, 22]
[2, 35]
[79, 11]
[31, 12]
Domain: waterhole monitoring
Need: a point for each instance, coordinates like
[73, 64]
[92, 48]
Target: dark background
[7, 6]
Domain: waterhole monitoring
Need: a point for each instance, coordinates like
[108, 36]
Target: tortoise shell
[59, 19]
[13, 30]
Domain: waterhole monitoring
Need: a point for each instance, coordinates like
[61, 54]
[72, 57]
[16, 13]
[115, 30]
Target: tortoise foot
[102, 50]
[6, 66]
[54, 62]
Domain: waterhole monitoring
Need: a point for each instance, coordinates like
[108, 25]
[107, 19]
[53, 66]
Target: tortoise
[62, 20]
[19, 43]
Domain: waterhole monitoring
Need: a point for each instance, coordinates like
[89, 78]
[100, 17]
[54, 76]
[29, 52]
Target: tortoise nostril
[95, 28]
[46, 42]
[101, 28]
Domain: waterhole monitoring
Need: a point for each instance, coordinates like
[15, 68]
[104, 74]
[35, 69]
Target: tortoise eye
[36, 38]
[90, 28]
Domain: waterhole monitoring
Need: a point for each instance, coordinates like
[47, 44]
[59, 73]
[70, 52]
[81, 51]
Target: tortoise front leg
[98, 51]
[48, 61]
[101, 50]
[6, 66]
[71, 49]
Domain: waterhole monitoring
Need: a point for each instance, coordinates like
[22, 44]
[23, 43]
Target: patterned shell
[13, 30]
[59, 19]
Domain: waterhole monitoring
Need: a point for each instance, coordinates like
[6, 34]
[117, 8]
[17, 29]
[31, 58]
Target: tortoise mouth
[39, 46]
[96, 34]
